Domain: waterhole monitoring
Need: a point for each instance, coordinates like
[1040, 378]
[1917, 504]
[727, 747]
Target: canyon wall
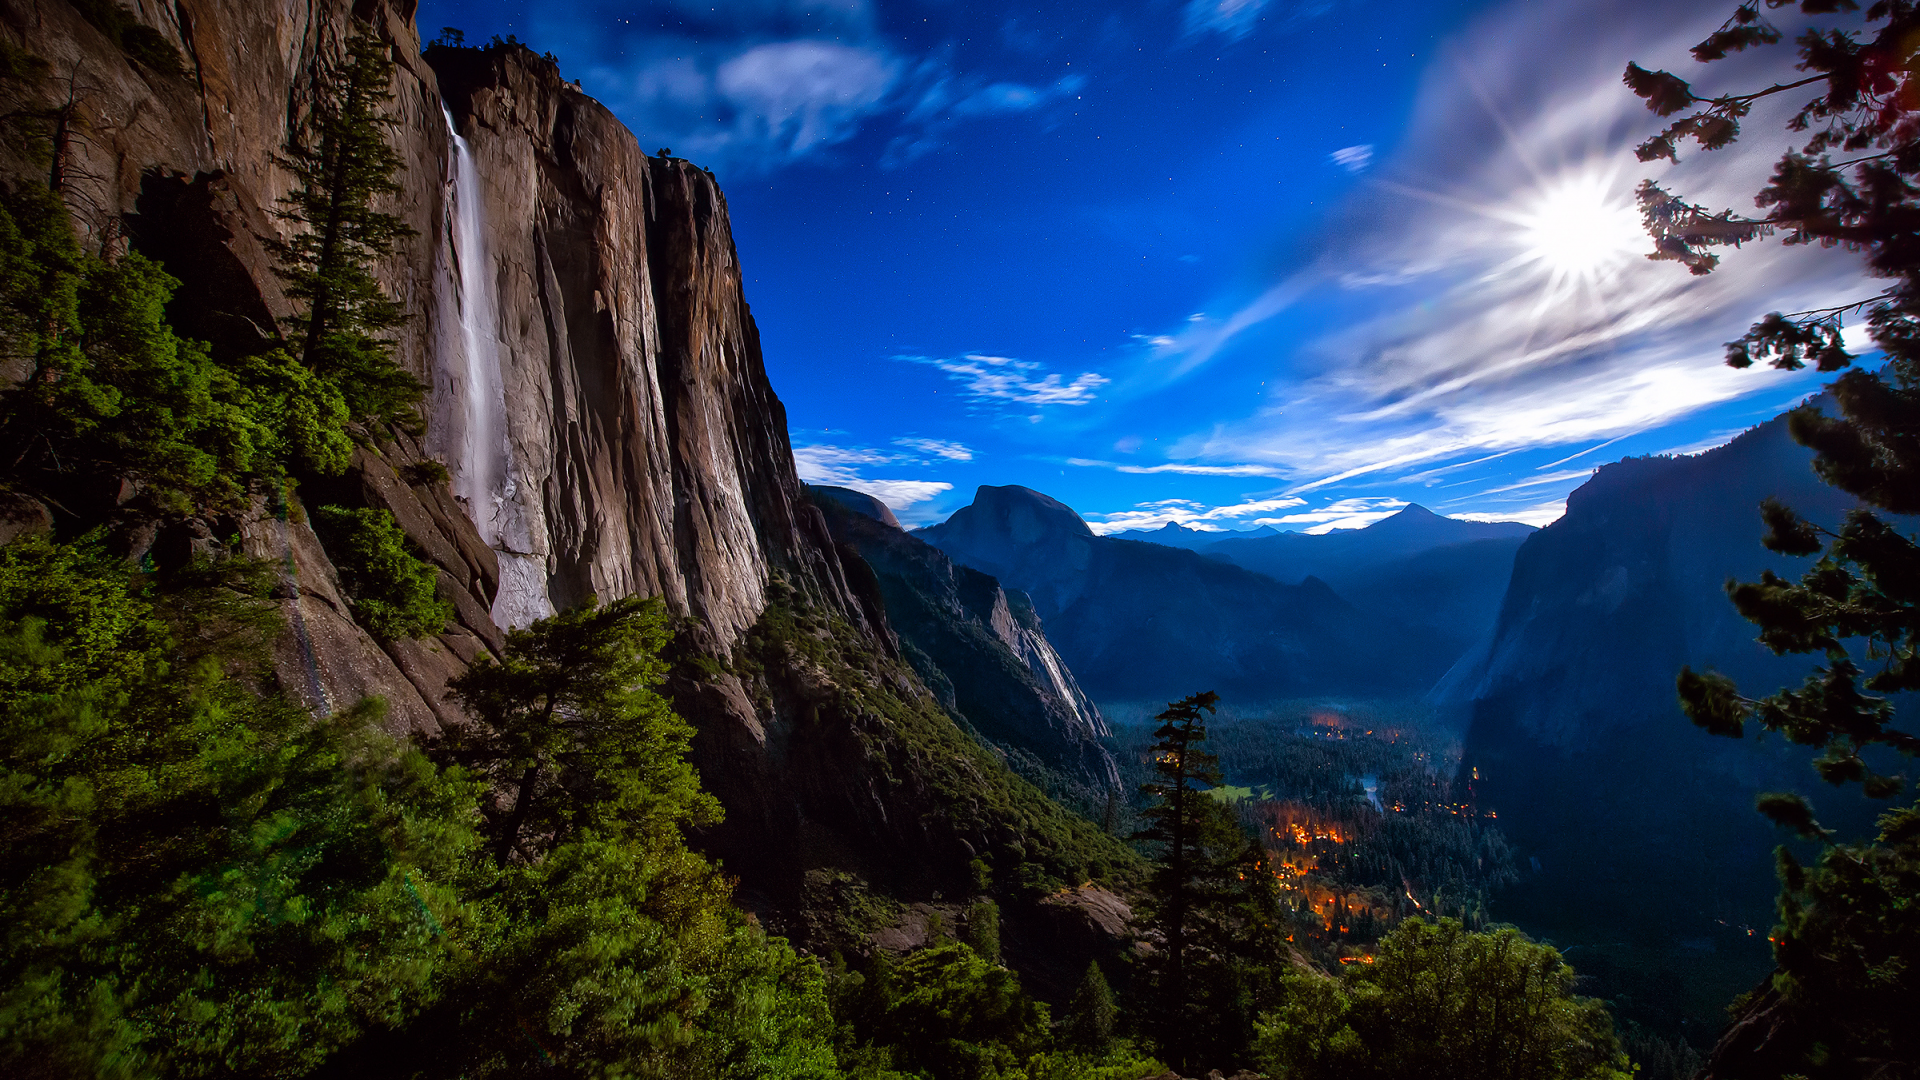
[596, 397]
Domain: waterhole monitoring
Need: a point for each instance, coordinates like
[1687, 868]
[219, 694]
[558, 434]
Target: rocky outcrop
[983, 652]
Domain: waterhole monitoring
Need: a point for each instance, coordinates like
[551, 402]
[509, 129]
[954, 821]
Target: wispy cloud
[1229, 18]
[1341, 514]
[1532, 482]
[1180, 468]
[1190, 514]
[1005, 379]
[940, 448]
[1502, 300]
[842, 466]
[948, 100]
[1353, 158]
[751, 86]
[1355, 513]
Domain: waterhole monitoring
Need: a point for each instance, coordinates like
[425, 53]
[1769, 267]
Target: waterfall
[469, 421]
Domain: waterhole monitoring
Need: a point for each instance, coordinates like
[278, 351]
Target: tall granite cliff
[598, 403]
[1573, 714]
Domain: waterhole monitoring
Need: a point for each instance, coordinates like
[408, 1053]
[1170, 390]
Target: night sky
[1224, 262]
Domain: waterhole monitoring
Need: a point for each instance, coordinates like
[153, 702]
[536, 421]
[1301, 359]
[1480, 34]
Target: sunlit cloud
[1005, 379]
[1514, 309]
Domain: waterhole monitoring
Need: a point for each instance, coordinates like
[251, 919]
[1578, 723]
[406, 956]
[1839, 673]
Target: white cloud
[940, 448]
[1179, 467]
[1002, 378]
[797, 95]
[1341, 514]
[840, 466]
[1540, 514]
[1353, 158]
[900, 495]
[1187, 513]
[822, 464]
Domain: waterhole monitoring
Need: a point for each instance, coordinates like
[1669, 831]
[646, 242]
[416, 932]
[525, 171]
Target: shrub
[392, 588]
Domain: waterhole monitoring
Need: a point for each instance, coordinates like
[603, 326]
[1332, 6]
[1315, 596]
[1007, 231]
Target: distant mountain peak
[1022, 510]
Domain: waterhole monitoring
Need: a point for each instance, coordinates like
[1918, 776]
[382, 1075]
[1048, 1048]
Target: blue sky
[1224, 262]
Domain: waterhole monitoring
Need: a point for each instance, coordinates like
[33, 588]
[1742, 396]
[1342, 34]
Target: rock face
[599, 423]
[857, 501]
[648, 454]
[1139, 621]
[982, 651]
[1574, 719]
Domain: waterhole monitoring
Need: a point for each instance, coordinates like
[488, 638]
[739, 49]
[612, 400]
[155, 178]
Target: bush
[196, 879]
[102, 387]
[392, 589]
[1438, 1000]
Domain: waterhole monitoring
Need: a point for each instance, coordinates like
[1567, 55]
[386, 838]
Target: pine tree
[569, 728]
[107, 391]
[343, 168]
[1212, 917]
[1091, 1014]
[1848, 949]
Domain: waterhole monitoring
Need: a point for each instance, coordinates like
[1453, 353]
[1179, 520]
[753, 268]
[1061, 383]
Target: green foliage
[606, 947]
[943, 1013]
[1441, 1001]
[1346, 867]
[907, 735]
[327, 264]
[1091, 1014]
[104, 387]
[196, 879]
[1210, 909]
[571, 731]
[392, 588]
[983, 929]
[1848, 950]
